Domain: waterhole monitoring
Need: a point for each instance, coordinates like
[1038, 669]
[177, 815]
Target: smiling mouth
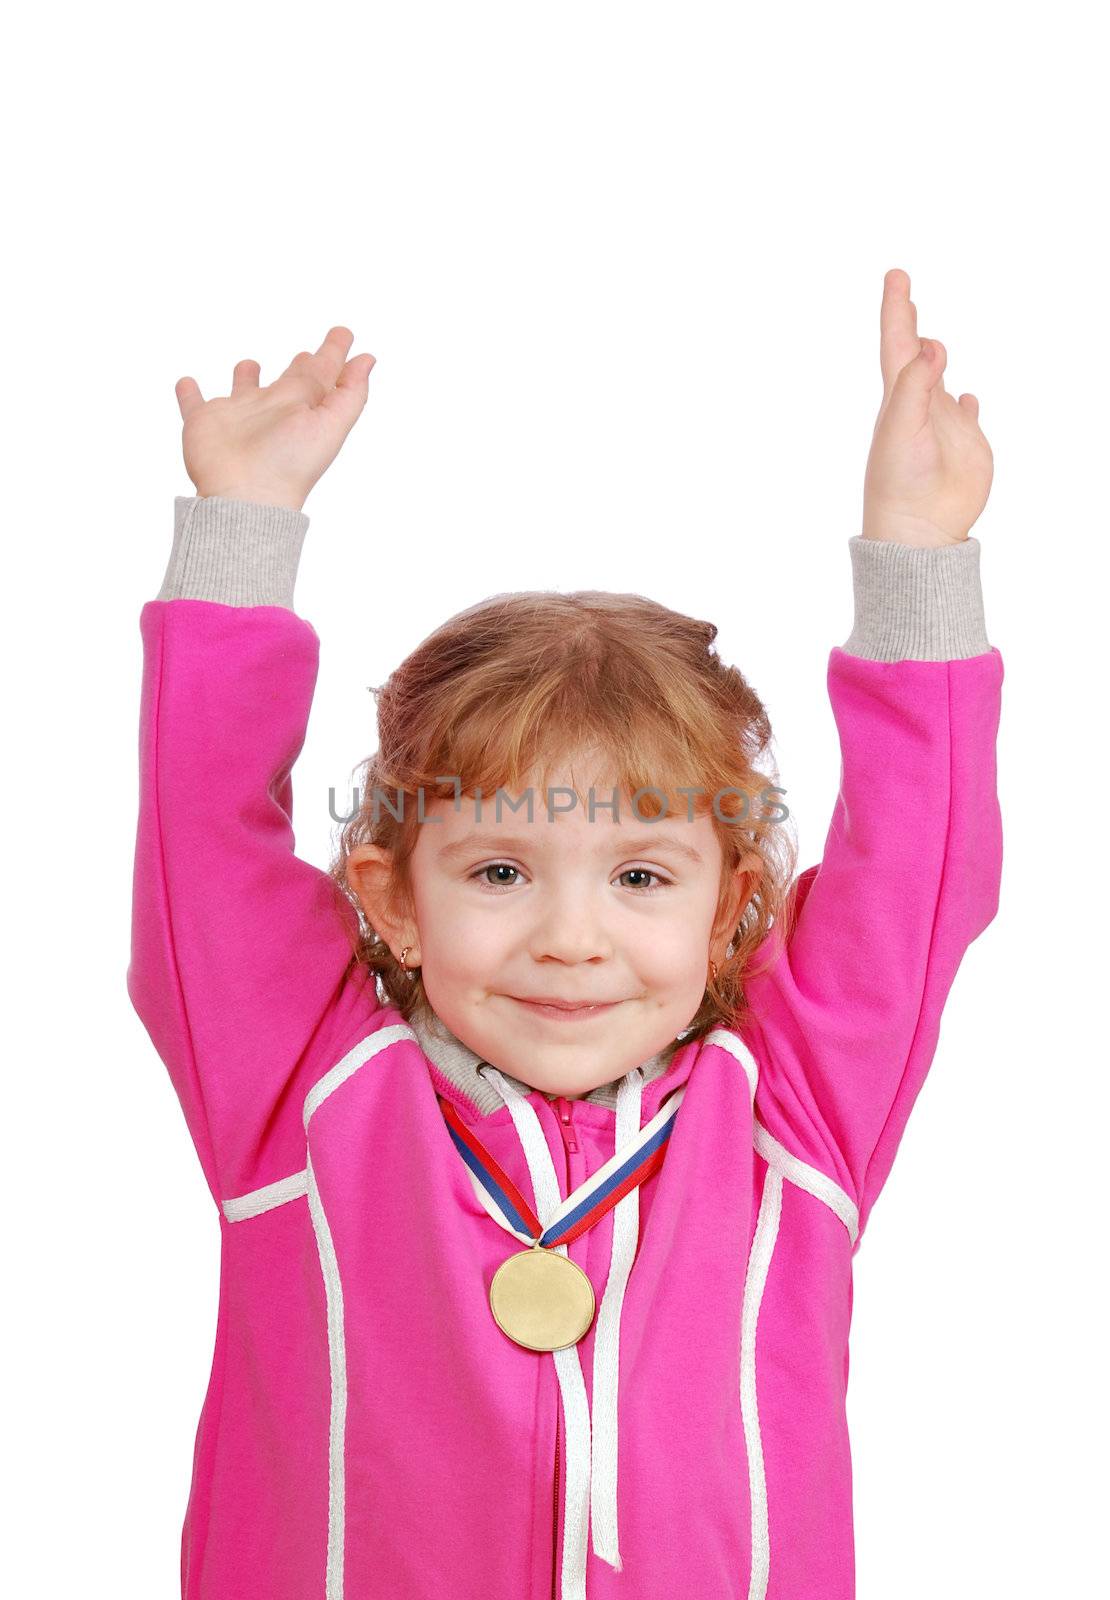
[566, 1011]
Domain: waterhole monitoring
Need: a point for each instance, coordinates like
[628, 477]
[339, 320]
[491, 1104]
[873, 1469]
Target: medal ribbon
[622, 1173]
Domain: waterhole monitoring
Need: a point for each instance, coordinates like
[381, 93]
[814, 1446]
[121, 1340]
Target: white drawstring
[590, 1475]
[607, 1337]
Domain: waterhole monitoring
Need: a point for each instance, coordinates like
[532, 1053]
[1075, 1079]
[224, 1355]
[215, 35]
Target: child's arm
[240, 950]
[846, 1020]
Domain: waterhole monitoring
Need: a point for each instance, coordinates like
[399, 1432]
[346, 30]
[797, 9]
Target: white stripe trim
[759, 1260]
[355, 1058]
[337, 1361]
[809, 1178]
[604, 1412]
[266, 1198]
[727, 1040]
[776, 1155]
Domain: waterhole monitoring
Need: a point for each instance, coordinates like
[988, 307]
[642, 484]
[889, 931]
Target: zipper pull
[566, 1123]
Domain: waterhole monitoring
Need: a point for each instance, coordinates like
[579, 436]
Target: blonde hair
[516, 682]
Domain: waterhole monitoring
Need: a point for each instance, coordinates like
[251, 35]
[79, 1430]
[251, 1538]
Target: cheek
[672, 954]
[681, 940]
[460, 935]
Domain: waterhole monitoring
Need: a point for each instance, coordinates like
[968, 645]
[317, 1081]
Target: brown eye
[496, 866]
[644, 872]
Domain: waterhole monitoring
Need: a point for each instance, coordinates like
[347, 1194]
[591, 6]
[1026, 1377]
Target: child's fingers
[346, 400]
[907, 409]
[301, 379]
[898, 338]
[245, 376]
[337, 340]
[312, 374]
[332, 353]
[189, 397]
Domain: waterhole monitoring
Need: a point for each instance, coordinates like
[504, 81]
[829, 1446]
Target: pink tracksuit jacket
[368, 1432]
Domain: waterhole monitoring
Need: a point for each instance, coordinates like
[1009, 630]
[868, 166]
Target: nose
[570, 928]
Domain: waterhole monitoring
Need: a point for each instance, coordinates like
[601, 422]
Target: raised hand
[272, 444]
[930, 468]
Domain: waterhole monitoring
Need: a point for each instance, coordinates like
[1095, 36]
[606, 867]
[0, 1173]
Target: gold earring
[404, 953]
[713, 969]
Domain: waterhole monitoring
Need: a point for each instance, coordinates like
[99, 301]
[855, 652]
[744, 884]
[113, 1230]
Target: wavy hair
[513, 684]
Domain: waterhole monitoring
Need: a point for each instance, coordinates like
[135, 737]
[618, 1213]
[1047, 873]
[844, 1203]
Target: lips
[564, 1010]
[563, 1005]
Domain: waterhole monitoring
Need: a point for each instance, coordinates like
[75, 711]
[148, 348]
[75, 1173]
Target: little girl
[544, 1127]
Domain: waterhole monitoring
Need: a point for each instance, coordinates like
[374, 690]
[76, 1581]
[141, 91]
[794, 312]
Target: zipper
[566, 1127]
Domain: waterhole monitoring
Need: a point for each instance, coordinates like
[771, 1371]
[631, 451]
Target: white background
[621, 268]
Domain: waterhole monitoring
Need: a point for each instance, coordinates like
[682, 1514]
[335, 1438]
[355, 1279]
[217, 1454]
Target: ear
[740, 892]
[370, 877]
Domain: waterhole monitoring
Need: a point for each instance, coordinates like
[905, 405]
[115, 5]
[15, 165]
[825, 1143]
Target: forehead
[558, 822]
[575, 806]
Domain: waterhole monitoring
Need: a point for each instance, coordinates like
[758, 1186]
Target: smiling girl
[542, 1129]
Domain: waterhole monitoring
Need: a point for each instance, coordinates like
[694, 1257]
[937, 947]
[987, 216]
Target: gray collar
[459, 1064]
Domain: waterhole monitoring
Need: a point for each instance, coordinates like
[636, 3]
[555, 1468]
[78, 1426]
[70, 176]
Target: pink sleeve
[240, 951]
[846, 1019]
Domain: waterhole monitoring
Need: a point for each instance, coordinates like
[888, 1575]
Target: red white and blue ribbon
[501, 1198]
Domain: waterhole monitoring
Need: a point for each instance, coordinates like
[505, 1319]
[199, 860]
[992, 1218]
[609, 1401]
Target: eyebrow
[481, 842]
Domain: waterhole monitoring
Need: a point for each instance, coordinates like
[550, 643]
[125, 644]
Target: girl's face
[616, 912]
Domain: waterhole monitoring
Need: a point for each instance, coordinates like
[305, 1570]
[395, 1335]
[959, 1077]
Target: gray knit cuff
[236, 552]
[916, 604]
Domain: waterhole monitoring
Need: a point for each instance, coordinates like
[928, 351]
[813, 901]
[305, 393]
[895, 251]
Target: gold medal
[541, 1299]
